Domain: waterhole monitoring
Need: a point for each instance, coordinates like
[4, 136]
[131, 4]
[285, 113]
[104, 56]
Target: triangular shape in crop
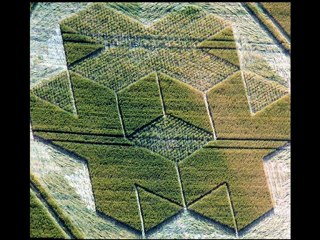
[155, 209]
[57, 91]
[216, 205]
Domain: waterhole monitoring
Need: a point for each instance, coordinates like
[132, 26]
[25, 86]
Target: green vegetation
[171, 137]
[78, 46]
[155, 209]
[216, 206]
[269, 25]
[246, 143]
[184, 102]
[56, 91]
[31, 5]
[222, 39]
[115, 169]
[140, 103]
[96, 106]
[142, 73]
[74, 37]
[223, 46]
[63, 217]
[224, 35]
[66, 29]
[280, 11]
[76, 51]
[229, 106]
[42, 225]
[261, 91]
[242, 169]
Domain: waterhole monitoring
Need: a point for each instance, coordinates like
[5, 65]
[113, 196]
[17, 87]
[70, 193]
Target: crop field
[159, 120]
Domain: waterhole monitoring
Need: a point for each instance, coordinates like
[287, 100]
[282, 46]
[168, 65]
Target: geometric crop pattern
[171, 137]
[148, 108]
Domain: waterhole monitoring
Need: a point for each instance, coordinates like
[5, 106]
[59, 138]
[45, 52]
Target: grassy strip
[232, 117]
[195, 67]
[242, 169]
[184, 102]
[96, 105]
[56, 91]
[63, 217]
[280, 11]
[115, 169]
[269, 25]
[155, 209]
[248, 143]
[42, 225]
[140, 103]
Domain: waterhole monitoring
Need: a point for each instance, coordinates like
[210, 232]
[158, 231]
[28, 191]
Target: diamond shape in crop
[171, 137]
